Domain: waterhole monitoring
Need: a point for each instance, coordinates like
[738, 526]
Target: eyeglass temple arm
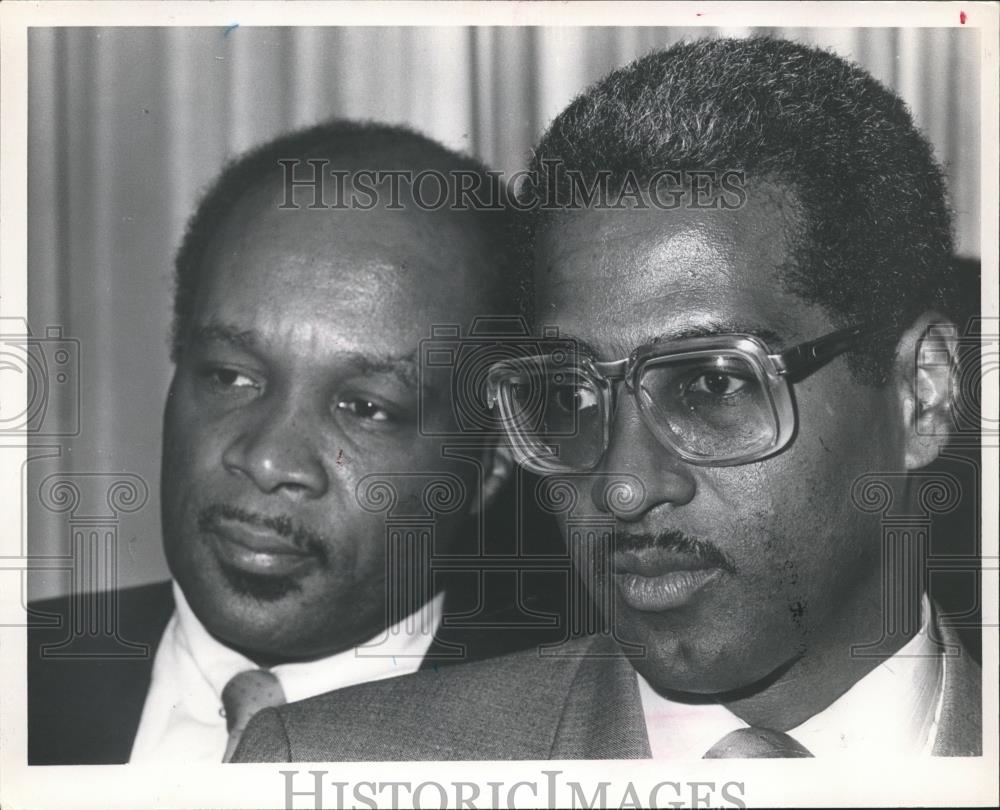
[814, 353]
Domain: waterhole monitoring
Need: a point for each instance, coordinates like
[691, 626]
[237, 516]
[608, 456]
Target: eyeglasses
[720, 400]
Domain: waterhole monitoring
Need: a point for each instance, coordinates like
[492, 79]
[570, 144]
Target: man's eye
[572, 398]
[230, 379]
[364, 409]
[718, 383]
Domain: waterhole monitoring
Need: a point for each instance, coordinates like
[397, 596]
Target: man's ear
[926, 369]
[498, 464]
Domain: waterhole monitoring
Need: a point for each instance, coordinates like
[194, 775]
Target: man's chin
[688, 686]
[683, 673]
[677, 658]
[260, 587]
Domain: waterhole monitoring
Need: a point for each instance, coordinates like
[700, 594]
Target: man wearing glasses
[717, 381]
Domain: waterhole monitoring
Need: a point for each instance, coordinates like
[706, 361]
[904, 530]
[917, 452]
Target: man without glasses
[725, 377]
[295, 346]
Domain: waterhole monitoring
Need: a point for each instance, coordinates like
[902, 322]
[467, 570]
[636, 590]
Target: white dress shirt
[182, 718]
[894, 709]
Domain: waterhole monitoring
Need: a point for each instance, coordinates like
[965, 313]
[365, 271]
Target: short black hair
[354, 144]
[876, 240]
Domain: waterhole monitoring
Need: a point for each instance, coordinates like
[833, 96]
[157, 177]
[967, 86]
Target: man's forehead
[603, 239]
[621, 278]
[389, 270]
[369, 226]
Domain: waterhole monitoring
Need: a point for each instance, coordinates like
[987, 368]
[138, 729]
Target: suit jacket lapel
[960, 727]
[602, 716]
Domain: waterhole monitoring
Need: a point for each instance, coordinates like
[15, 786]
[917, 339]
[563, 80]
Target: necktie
[245, 695]
[755, 743]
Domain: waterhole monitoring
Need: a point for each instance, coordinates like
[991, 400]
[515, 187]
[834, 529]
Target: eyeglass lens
[561, 413]
[713, 407]
[710, 406]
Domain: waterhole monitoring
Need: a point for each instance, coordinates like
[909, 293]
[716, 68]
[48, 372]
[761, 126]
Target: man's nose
[638, 473]
[277, 453]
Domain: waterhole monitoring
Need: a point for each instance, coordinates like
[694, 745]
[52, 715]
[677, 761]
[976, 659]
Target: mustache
[304, 538]
[677, 542]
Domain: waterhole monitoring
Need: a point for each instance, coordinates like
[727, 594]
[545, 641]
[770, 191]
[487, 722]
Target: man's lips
[656, 579]
[255, 549]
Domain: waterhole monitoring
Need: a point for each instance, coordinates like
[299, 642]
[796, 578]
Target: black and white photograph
[499, 405]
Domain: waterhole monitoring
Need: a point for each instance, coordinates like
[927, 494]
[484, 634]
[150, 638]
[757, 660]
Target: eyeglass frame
[777, 370]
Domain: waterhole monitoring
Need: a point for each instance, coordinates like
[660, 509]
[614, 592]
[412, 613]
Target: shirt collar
[396, 651]
[894, 708]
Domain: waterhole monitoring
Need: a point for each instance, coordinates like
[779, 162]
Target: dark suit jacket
[518, 707]
[85, 709]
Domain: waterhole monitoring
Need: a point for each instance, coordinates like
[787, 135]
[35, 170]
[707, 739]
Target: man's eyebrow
[580, 345]
[403, 366]
[773, 340]
[222, 333]
[713, 328]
